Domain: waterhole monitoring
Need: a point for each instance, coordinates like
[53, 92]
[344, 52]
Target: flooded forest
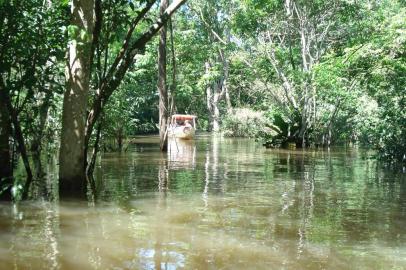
[202, 134]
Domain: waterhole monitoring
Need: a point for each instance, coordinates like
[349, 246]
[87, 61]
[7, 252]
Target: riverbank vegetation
[76, 75]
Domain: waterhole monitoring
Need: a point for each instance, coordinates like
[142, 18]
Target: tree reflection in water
[228, 203]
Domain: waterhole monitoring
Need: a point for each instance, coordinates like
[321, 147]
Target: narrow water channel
[217, 203]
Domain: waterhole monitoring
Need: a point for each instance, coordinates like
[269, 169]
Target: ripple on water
[232, 205]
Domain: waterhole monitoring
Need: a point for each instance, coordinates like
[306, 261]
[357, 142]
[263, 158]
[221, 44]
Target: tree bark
[226, 70]
[38, 136]
[72, 177]
[37, 146]
[173, 83]
[215, 91]
[120, 138]
[216, 112]
[209, 97]
[6, 171]
[163, 92]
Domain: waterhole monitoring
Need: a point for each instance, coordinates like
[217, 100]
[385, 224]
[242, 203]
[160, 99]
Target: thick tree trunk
[72, 177]
[6, 171]
[163, 92]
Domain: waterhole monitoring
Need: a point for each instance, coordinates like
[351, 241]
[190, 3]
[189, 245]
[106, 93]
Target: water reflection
[35, 246]
[230, 205]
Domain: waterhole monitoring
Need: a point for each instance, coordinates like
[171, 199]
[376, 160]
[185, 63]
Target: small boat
[182, 126]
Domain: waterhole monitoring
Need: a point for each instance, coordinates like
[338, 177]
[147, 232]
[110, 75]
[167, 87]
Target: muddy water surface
[218, 203]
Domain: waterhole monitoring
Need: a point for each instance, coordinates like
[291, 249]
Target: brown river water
[217, 203]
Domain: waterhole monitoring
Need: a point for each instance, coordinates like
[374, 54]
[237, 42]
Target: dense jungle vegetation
[79, 77]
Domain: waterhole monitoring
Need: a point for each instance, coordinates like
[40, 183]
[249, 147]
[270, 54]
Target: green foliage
[32, 51]
[245, 122]
[356, 81]
[376, 105]
[133, 109]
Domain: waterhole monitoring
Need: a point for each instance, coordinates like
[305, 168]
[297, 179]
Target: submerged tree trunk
[36, 148]
[18, 134]
[163, 92]
[72, 178]
[22, 149]
[37, 142]
[120, 138]
[6, 171]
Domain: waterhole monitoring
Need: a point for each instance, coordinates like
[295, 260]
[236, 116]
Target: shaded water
[218, 204]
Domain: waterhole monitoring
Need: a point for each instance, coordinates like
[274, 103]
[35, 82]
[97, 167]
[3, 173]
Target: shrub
[244, 122]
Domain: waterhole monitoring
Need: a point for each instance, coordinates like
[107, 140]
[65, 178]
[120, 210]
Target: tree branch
[96, 29]
[118, 70]
[125, 46]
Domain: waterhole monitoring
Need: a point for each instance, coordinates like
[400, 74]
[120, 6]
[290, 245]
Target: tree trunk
[209, 97]
[38, 136]
[72, 177]
[213, 97]
[19, 138]
[120, 138]
[91, 165]
[216, 112]
[163, 92]
[228, 101]
[96, 147]
[225, 85]
[6, 171]
[173, 85]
